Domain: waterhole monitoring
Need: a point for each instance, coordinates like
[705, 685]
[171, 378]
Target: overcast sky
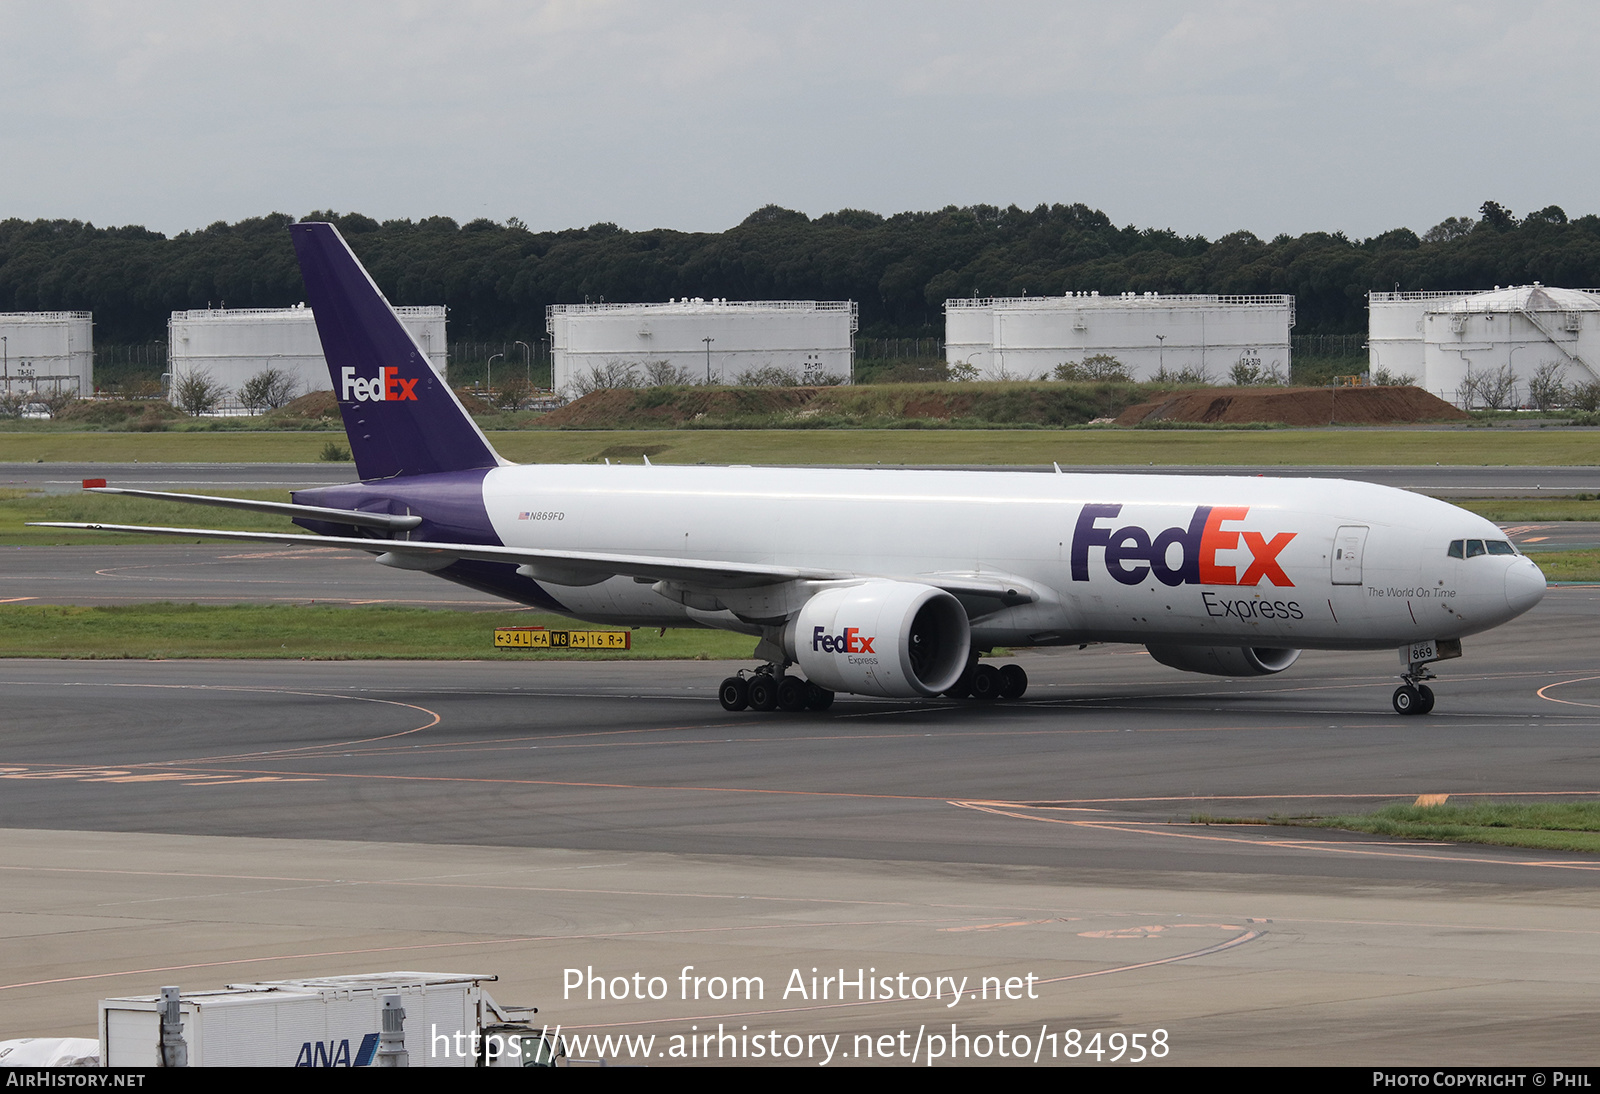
[1201, 117]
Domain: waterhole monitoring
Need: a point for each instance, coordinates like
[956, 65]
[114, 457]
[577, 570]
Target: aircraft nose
[1525, 585]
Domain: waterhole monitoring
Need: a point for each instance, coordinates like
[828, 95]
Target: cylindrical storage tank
[700, 341]
[968, 332]
[47, 352]
[1394, 331]
[233, 345]
[1488, 348]
[1149, 335]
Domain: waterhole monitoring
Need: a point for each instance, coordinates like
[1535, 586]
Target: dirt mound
[117, 411]
[666, 407]
[1038, 404]
[318, 404]
[474, 404]
[322, 405]
[1295, 406]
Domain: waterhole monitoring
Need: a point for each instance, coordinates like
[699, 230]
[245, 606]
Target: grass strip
[1569, 566]
[1037, 447]
[1518, 510]
[18, 507]
[320, 633]
[1546, 826]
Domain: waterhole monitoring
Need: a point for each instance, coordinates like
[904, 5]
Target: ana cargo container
[331, 1021]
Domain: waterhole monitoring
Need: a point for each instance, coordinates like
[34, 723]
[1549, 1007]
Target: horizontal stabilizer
[386, 521]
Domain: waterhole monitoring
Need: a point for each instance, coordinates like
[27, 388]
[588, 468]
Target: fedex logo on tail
[1133, 554]
[386, 387]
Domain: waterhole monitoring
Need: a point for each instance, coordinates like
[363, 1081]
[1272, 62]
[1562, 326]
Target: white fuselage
[1284, 563]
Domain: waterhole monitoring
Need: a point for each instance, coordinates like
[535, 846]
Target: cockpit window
[1472, 548]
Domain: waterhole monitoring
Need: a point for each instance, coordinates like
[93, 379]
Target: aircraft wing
[586, 566]
[572, 567]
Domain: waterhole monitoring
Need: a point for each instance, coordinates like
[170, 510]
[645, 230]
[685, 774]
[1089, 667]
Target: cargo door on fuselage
[1348, 544]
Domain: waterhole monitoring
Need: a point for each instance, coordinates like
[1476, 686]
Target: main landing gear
[768, 688]
[765, 690]
[987, 682]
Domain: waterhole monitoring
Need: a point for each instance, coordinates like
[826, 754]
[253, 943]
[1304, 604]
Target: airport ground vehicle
[439, 1020]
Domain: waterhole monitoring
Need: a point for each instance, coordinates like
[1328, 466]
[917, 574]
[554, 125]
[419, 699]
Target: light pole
[708, 342]
[1511, 361]
[527, 360]
[1161, 354]
[488, 373]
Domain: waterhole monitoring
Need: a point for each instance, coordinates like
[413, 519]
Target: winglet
[401, 417]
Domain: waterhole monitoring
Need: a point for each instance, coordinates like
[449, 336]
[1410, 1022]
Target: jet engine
[896, 639]
[1225, 660]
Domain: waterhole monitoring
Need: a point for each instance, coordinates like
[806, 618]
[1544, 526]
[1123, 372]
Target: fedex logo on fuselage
[851, 641]
[386, 387]
[1133, 554]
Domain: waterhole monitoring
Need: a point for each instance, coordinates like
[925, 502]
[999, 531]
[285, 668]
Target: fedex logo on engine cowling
[386, 387]
[851, 641]
[1133, 554]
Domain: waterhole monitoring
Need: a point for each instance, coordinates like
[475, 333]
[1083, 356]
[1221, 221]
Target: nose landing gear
[1413, 699]
[1413, 696]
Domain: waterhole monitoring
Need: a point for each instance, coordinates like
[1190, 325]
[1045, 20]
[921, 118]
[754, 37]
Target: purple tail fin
[402, 419]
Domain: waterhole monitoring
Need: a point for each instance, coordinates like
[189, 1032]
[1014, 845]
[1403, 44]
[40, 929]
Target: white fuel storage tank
[1203, 335]
[1452, 341]
[701, 341]
[231, 345]
[47, 352]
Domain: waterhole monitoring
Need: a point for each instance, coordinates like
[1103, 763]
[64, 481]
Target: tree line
[497, 278]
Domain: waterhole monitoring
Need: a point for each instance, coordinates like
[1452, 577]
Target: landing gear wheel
[763, 692]
[818, 697]
[1424, 699]
[734, 693]
[1013, 682]
[791, 694]
[961, 688]
[986, 682]
[1407, 700]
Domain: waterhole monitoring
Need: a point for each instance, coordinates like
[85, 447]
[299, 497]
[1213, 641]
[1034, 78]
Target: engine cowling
[896, 639]
[1225, 660]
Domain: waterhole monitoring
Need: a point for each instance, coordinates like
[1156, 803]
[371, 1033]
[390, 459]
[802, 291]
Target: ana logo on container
[386, 387]
[337, 1053]
[1133, 554]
